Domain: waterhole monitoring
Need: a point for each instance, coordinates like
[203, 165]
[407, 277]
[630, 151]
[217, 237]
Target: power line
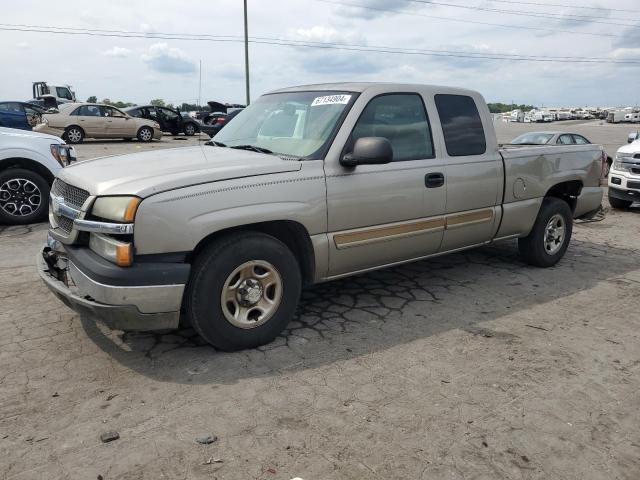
[564, 5]
[322, 45]
[196, 36]
[477, 22]
[581, 18]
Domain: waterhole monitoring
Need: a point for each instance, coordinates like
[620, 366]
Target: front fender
[176, 221]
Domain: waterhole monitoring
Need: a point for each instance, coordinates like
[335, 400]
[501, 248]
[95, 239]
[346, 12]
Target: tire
[145, 134]
[18, 191]
[242, 259]
[549, 238]
[74, 134]
[618, 203]
[189, 129]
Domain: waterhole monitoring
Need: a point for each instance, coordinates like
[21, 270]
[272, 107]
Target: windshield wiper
[215, 144]
[252, 148]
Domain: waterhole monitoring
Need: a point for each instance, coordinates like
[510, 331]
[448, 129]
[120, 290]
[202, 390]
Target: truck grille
[73, 196]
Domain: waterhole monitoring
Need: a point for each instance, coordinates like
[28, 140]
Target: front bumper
[624, 186]
[157, 134]
[122, 307]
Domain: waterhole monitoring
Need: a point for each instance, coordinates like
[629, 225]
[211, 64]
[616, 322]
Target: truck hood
[147, 173]
[13, 132]
[633, 147]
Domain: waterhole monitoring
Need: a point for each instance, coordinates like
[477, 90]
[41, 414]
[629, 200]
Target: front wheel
[243, 291]
[23, 197]
[74, 134]
[145, 134]
[189, 129]
[549, 238]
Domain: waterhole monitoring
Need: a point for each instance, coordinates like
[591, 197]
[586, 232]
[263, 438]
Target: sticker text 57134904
[330, 100]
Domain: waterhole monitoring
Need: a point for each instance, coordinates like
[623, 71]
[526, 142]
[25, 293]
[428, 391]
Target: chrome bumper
[122, 308]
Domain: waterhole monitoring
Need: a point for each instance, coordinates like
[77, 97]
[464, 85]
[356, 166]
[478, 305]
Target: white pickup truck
[624, 175]
[29, 162]
[305, 185]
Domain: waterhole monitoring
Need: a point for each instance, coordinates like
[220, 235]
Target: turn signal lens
[120, 253]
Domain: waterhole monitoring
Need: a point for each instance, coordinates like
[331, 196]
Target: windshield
[297, 124]
[532, 139]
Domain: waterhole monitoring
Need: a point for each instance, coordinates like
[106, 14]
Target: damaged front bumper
[73, 279]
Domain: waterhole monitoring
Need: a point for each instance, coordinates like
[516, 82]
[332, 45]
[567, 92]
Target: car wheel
[23, 197]
[145, 134]
[189, 129]
[74, 134]
[550, 236]
[243, 291]
[618, 203]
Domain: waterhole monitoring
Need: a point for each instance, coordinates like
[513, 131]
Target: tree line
[158, 102]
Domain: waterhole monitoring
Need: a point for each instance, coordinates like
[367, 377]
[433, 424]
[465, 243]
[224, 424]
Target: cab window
[63, 93]
[400, 118]
[461, 125]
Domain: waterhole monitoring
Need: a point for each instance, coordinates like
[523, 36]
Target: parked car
[20, 115]
[28, 163]
[217, 122]
[316, 183]
[76, 121]
[558, 138]
[169, 120]
[624, 178]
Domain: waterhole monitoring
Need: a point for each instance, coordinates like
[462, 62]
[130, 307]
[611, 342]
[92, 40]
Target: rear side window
[580, 140]
[461, 125]
[565, 140]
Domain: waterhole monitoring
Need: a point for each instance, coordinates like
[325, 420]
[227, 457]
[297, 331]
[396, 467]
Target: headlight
[619, 164]
[120, 253]
[118, 209]
[64, 154]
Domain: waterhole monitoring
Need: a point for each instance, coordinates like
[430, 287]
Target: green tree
[92, 99]
[157, 102]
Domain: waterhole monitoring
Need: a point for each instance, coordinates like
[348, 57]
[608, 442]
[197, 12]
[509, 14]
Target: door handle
[434, 180]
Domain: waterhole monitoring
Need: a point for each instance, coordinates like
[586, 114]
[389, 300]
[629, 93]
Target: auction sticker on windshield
[330, 100]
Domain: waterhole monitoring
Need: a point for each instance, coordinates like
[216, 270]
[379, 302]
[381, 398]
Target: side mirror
[633, 137]
[369, 151]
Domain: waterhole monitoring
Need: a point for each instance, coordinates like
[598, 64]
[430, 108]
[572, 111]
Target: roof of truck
[362, 86]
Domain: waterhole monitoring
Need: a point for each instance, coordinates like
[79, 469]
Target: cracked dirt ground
[468, 366]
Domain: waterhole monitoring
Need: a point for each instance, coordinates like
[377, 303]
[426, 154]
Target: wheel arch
[567, 191]
[27, 164]
[293, 234]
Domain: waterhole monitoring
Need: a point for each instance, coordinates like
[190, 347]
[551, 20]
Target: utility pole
[200, 86]
[246, 52]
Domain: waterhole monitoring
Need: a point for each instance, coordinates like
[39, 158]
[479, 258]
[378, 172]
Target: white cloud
[118, 52]
[319, 33]
[23, 45]
[162, 58]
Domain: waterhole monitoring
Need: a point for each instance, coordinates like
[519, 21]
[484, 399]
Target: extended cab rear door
[474, 170]
[384, 214]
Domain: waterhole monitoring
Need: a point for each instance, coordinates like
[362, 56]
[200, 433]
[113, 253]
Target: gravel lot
[469, 366]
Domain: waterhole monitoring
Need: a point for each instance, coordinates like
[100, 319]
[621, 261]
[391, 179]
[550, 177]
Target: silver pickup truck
[306, 185]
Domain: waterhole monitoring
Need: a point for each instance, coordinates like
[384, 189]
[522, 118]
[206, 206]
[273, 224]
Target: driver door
[384, 214]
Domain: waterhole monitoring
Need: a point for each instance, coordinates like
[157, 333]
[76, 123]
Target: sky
[140, 69]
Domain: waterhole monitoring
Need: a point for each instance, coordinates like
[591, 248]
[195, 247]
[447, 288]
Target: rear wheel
[145, 134]
[549, 238]
[23, 197]
[74, 134]
[243, 291]
[619, 203]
